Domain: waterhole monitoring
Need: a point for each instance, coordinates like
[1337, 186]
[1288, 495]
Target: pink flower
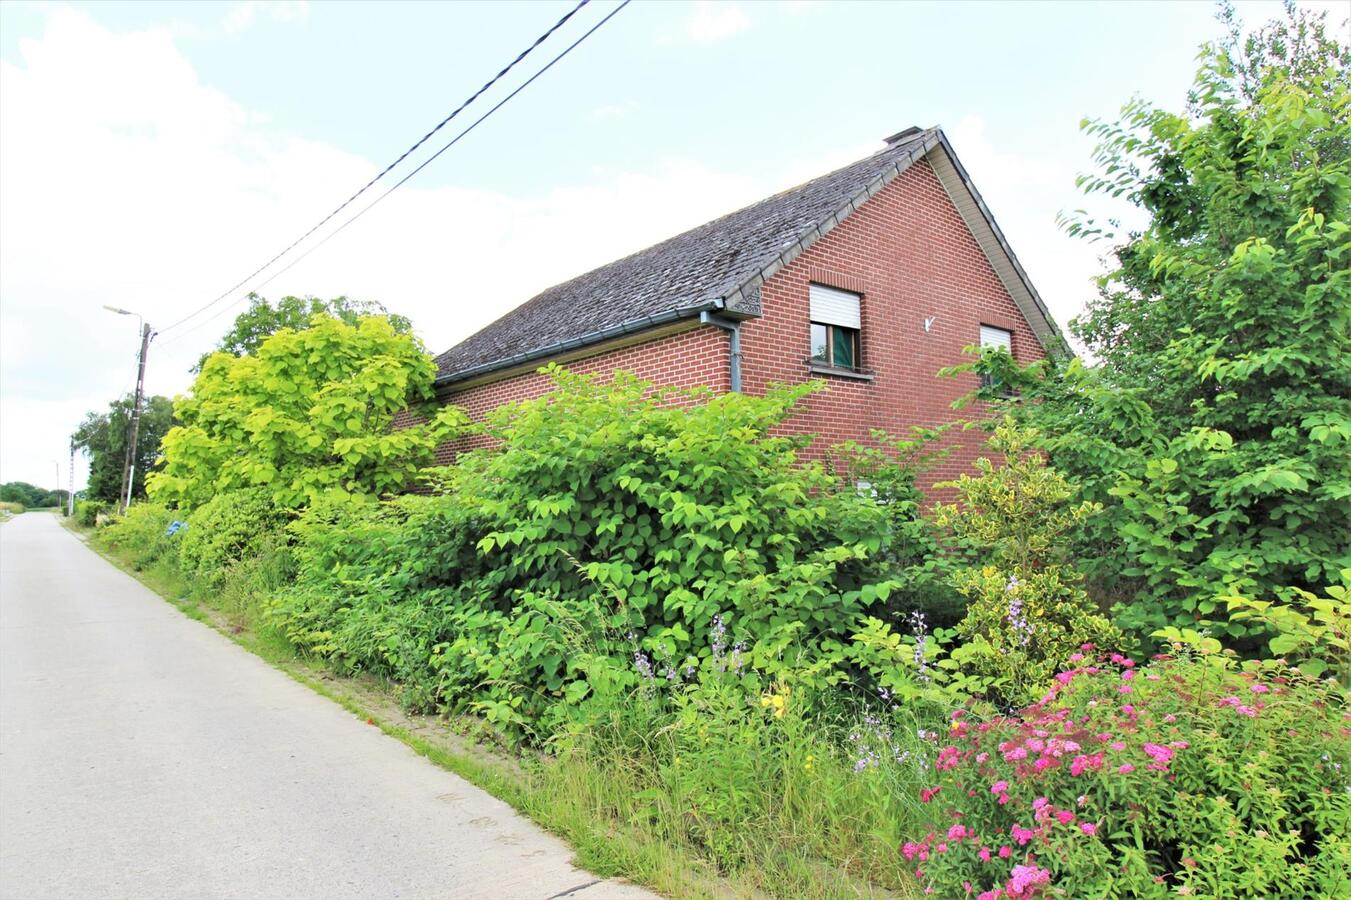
[1015, 754]
[1005, 851]
[1088, 828]
[967, 885]
[1259, 689]
[1125, 689]
[1158, 752]
[1021, 835]
[1065, 816]
[957, 832]
[1245, 711]
[1128, 675]
[1170, 718]
[1082, 764]
[1043, 763]
[984, 854]
[1039, 802]
[1125, 768]
[929, 793]
[1003, 798]
[1128, 709]
[1025, 878]
[991, 895]
[999, 787]
[982, 757]
[941, 848]
[1118, 745]
[909, 850]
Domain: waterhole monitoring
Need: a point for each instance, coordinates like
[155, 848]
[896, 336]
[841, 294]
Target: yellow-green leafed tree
[309, 412]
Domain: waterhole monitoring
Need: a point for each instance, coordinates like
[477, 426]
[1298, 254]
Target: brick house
[872, 278]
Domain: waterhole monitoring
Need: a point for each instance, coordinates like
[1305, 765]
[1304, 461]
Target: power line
[488, 84]
[452, 142]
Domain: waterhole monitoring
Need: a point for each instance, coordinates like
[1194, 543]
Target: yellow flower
[808, 764]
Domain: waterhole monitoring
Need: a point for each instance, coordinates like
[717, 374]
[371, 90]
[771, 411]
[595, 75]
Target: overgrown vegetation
[1216, 431]
[805, 679]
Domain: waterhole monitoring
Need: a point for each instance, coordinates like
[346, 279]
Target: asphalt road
[144, 755]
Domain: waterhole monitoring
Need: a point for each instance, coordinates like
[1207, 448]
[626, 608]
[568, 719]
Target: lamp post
[129, 465]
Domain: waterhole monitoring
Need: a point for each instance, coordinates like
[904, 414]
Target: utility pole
[129, 469]
[70, 494]
[129, 463]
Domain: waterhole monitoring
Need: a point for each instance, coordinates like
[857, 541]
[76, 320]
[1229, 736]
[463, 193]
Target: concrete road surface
[144, 755]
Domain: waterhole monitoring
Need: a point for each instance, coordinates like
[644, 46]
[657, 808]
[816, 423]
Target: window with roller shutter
[836, 321]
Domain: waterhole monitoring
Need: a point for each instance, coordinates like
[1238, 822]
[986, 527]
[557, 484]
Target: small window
[995, 338]
[835, 322]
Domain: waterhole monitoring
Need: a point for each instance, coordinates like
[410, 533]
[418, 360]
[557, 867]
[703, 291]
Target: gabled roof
[721, 265]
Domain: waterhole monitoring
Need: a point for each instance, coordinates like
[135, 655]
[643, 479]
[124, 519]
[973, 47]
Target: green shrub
[142, 535]
[10, 509]
[227, 528]
[1177, 778]
[87, 512]
[604, 509]
[1028, 611]
[1314, 631]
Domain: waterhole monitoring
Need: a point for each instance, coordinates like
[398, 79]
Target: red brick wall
[698, 357]
[908, 252]
[910, 255]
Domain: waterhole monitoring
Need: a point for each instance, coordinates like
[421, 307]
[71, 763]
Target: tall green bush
[611, 516]
[1216, 432]
[229, 527]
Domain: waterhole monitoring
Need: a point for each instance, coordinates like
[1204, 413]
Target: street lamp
[129, 464]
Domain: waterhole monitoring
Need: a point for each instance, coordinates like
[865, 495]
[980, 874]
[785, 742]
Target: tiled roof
[719, 265]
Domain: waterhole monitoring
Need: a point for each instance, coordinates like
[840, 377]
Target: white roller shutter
[832, 306]
[996, 337]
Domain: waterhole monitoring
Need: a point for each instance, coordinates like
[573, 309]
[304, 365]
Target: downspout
[733, 328]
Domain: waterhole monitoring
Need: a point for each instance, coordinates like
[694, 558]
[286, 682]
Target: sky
[152, 155]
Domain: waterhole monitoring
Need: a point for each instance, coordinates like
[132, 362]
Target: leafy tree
[310, 412]
[103, 438]
[31, 496]
[263, 319]
[1216, 431]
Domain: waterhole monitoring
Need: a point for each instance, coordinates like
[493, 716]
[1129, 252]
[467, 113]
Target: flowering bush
[1177, 778]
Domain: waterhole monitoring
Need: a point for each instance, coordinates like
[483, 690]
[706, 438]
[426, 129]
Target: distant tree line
[31, 496]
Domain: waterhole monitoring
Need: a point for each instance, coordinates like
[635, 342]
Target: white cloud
[716, 20]
[611, 111]
[127, 181]
[243, 16]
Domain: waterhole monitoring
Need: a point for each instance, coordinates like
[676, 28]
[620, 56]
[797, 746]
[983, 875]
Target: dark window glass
[845, 341]
[835, 346]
